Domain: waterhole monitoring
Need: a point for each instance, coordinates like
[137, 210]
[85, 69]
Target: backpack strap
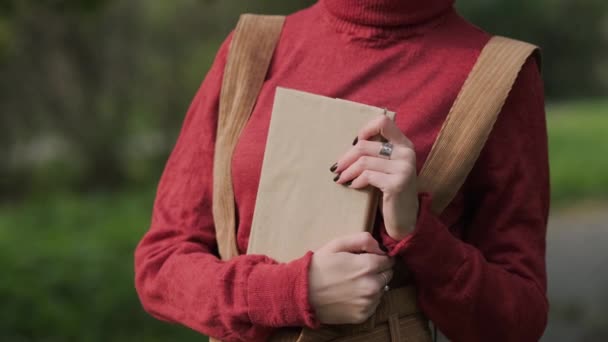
[251, 50]
[471, 118]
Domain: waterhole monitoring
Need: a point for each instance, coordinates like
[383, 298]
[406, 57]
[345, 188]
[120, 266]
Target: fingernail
[348, 183]
[355, 141]
[336, 178]
[333, 167]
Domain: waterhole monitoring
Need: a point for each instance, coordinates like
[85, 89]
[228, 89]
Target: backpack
[453, 155]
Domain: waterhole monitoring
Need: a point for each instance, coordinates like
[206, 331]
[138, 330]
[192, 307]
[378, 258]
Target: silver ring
[386, 287]
[386, 150]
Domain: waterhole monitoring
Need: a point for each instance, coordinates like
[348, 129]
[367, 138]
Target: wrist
[407, 229]
[391, 241]
[278, 294]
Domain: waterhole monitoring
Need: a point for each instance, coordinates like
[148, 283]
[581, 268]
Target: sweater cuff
[430, 251]
[277, 294]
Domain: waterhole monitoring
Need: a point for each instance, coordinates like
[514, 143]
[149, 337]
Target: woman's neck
[386, 13]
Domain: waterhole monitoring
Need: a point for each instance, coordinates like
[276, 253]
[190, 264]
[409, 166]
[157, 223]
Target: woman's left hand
[362, 165]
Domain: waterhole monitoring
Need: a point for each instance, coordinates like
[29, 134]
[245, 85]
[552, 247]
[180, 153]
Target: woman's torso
[415, 69]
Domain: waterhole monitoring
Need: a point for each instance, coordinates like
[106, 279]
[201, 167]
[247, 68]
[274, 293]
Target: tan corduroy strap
[471, 118]
[251, 50]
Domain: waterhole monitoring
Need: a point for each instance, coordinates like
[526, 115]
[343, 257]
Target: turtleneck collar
[394, 15]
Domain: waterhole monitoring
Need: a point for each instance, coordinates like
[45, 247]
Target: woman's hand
[396, 177]
[347, 277]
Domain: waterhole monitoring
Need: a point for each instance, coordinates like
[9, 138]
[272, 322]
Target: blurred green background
[92, 95]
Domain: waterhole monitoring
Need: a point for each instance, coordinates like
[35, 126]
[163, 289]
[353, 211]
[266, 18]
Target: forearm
[238, 300]
[179, 277]
[467, 296]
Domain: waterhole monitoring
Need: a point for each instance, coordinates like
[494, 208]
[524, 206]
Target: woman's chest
[420, 97]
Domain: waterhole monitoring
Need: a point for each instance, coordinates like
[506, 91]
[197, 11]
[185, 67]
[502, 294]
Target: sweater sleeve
[491, 285]
[178, 275]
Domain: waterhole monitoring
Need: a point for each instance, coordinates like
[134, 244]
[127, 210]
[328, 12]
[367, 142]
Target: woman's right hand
[346, 281]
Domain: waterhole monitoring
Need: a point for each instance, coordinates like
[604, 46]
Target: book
[298, 205]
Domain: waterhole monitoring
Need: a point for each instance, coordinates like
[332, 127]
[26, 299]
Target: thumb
[362, 242]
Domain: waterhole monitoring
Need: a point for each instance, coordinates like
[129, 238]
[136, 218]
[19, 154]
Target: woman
[479, 267]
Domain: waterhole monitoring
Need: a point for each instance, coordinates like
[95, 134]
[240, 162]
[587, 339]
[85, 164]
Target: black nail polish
[336, 178]
[348, 183]
[333, 167]
[355, 141]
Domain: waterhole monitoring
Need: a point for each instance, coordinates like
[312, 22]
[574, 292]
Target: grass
[67, 270]
[578, 151]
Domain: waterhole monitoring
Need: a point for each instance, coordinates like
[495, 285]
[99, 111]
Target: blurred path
[577, 264]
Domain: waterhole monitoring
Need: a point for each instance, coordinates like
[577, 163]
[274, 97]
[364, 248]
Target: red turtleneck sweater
[479, 267]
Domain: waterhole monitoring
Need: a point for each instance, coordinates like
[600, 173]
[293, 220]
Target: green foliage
[573, 36]
[67, 265]
[112, 80]
[106, 78]
[578, 147]
[9, 6]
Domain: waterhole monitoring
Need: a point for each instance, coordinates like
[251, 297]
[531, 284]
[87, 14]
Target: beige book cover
[298, 205]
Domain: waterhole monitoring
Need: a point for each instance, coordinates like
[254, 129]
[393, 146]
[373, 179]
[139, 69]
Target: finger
[372, 284]
[372, 301]
[384, 126]
[388, 274]
[381, 165]
[372, 149]
[388, 265]
[362, 242]
[387, 183]
[376, 299]
[372, 263]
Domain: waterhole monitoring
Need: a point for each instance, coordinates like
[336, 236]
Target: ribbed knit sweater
[479, 266]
